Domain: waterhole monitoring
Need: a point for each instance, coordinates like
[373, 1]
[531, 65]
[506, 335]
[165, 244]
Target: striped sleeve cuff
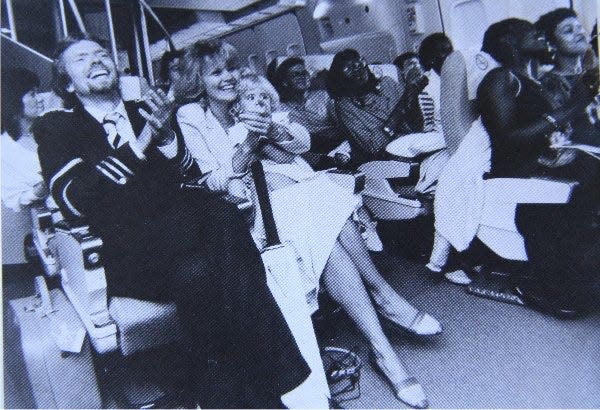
[122, 166]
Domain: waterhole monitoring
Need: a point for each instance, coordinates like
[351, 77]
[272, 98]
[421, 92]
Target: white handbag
[284, 279]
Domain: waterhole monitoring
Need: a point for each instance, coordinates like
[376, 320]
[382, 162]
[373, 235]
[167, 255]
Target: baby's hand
[237, 188]
[218, 180]
[258, 123]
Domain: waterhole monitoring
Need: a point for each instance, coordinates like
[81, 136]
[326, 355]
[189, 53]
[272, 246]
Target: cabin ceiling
[207, 5]
[214, 23]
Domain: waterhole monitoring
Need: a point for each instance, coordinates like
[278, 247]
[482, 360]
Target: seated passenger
[374, 114]
[312, 108]
[119, 167]
[256, 95]
[562, 241]
[363, 104]
[312, 212]
[569, 80]
[460, 192]
[22, 182]
[421, 122]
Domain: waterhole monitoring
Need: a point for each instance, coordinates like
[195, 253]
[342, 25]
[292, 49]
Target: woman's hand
[218, 181]
[563, 156]
[558, 138]
[257, 123]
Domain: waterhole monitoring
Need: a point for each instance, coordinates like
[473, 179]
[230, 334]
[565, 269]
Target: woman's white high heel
[407, 390]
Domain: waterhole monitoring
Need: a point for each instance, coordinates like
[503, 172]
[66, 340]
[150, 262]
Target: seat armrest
[73, 227]
[84, 281]
[41, 216]
[385, 169]
[355, 180]
[528, 191]
[43, 238]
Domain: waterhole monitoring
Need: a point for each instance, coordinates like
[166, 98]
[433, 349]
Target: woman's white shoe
[458, 277]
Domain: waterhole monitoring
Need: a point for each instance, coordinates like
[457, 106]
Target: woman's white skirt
[309, 216]
[459, 195]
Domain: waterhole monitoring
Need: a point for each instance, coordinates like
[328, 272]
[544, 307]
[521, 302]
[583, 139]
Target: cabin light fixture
[323, 7]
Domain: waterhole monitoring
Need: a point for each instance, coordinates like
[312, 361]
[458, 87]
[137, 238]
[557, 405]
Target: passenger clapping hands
[158, 119]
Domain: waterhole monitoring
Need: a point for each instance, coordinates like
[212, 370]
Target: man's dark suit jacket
[127, 201]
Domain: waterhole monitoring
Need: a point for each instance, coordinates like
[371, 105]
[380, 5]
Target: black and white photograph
[302, 204]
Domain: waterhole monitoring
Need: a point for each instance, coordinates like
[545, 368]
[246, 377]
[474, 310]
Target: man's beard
[106, 88]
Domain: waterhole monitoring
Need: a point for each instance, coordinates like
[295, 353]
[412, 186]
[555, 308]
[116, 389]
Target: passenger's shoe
[542, 304]
[433, 268]
[408, 390]
[422, 324]
[458, 277]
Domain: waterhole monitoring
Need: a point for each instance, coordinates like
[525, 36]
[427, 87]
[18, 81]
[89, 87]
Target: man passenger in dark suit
[119, 168]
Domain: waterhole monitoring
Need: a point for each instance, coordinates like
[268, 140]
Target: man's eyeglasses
[298, 73]
[352, 66]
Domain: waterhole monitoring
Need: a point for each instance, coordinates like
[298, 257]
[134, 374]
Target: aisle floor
[490, 355]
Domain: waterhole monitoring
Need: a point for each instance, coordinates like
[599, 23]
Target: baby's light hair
[257, 82]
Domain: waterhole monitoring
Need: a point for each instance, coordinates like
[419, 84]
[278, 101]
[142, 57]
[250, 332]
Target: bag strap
[262, 192]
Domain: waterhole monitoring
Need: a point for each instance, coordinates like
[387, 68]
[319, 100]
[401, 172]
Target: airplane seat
[379, 195]
[497, 228]
[120, 324]
[126, 325]
[386, 199]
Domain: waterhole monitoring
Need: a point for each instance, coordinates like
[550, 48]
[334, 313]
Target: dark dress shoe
[545, 305]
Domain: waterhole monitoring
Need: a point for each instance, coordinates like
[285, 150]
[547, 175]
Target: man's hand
[159, 118]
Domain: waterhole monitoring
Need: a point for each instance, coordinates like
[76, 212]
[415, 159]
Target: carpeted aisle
[491, 354]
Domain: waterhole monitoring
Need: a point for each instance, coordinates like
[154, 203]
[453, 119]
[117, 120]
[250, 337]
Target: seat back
[15, 226]
[498, 229]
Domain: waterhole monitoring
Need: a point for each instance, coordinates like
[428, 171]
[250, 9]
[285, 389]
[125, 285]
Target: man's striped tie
[110, 126]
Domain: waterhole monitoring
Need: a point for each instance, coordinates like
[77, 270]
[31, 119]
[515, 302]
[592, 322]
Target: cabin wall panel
[465, 21]
[587, 10]
[275, 34]
[14, 55]
[310, 30]
[246, 42]
[395, 20]
[278, 33]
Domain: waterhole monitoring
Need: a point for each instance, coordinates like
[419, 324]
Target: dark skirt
[563, 240]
